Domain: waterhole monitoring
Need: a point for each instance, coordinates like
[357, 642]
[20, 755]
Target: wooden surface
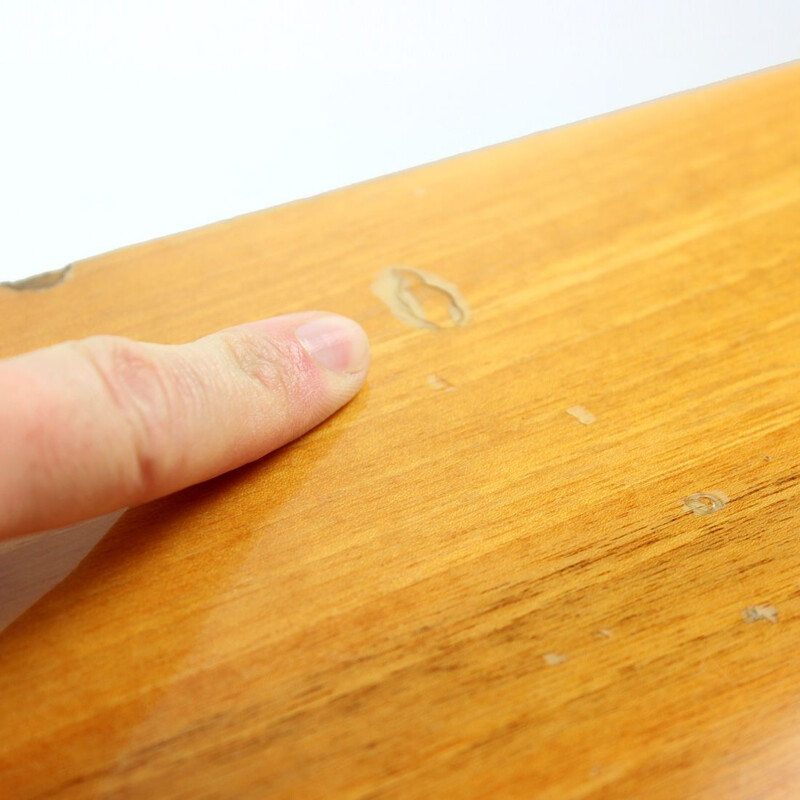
[454, 588]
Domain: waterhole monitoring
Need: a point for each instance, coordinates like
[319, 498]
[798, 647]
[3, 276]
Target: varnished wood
[454, 588]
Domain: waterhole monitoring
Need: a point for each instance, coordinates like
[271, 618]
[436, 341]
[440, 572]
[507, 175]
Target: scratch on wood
[554, 659]
[45, 280]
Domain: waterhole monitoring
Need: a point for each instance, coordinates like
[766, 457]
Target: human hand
[91, 426]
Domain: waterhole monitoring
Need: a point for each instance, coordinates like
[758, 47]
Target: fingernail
[336, 343]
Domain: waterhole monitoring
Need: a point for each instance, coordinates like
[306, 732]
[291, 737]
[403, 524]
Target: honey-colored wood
[454, 588]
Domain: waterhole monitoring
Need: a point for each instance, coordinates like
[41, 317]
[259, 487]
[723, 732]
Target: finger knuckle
[137, 388]
[263, 361]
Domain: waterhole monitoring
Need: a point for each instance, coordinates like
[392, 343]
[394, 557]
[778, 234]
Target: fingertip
[336, 343]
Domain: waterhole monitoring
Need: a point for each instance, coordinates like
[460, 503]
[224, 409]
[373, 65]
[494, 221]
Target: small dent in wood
[554, 659]
[421, 299]
[757, 613]
[705, 502]
[45, 280]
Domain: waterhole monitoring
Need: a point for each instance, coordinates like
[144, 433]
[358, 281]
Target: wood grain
[454, 588]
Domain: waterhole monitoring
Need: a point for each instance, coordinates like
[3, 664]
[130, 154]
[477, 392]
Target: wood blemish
[45, 280]
[421, 299]
[584, 416]
[756, 613]
[705, 502]
[554, 659]
[438, 383]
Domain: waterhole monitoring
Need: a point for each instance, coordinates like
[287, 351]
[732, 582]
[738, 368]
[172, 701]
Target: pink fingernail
[336, 343]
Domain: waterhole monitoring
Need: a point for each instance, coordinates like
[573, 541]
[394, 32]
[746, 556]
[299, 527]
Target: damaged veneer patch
[705, 502]
[583, 415]
[757, 613]
[439, 384]
[45, 280]
[421, 299]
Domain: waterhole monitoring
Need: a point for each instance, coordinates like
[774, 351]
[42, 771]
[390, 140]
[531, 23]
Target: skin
[92, 426]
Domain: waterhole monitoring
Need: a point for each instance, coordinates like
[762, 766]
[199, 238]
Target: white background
[122, 121]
